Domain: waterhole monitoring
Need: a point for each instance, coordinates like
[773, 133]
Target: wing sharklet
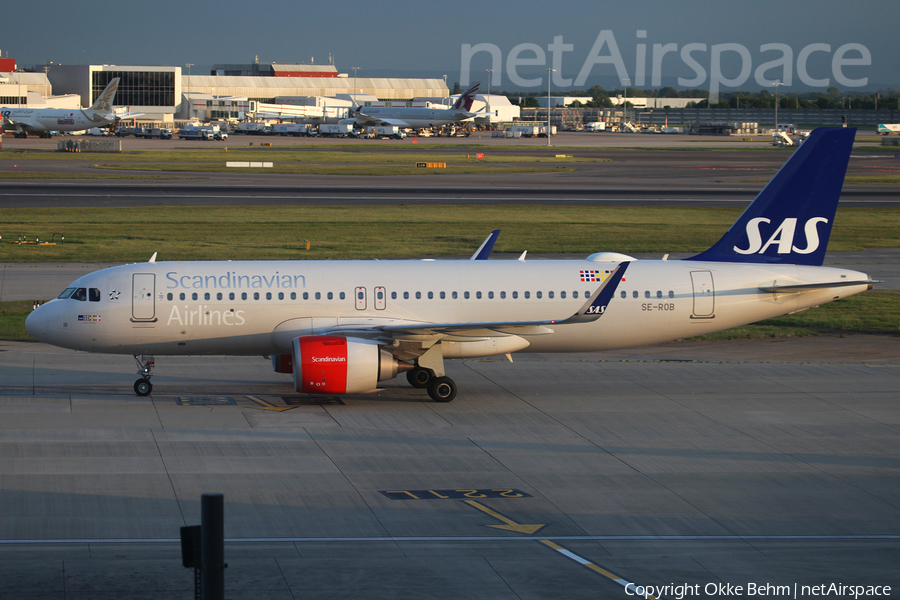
[596, 305]
[484, 250]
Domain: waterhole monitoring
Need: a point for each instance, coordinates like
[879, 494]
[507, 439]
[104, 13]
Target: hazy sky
[427, 38]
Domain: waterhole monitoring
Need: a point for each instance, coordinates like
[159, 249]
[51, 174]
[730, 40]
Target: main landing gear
[441, 389]
[143, 387]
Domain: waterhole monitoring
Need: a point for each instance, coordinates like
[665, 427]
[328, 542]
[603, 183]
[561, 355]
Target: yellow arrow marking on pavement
[269, 406]
[510, 524]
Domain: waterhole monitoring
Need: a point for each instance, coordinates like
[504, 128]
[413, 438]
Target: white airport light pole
[354, 69]
[549, 70]
[625, 83]
[489, 71]
[190, 101]
[776, 84]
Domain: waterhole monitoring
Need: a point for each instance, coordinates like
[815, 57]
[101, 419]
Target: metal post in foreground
[212, 544]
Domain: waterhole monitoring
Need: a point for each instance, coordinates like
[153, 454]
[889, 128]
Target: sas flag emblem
[594, 275]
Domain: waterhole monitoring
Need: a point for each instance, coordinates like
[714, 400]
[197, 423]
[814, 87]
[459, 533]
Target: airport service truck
[595, 126]
[251, 128]
[391, 131]
[336, 130]
[295, 129]
[153, 132]
[195, 133]
[525, 130]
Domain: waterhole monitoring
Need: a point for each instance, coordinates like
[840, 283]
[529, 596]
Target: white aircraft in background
[414, 117]
[45, 120]
[887, 129]
[340, 327]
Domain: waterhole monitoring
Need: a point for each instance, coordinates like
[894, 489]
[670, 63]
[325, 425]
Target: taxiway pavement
[702, 465]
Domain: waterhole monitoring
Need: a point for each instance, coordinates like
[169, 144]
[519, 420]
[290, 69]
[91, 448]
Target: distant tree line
[598, 97]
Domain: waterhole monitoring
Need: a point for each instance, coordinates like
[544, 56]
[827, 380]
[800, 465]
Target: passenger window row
[93, 295]
[394, 295]
[256, 296]
[636, 294]
[480, 295]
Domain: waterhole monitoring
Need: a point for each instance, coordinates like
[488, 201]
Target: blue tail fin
[790, 220]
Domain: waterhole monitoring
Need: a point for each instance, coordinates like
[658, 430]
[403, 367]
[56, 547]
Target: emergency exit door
[143, 304]
[704, 295]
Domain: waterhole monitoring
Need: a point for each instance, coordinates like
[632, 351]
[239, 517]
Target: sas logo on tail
[782, 238]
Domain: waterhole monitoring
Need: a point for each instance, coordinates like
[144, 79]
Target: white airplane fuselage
[53, 119]
[415, 118]
[258, 308]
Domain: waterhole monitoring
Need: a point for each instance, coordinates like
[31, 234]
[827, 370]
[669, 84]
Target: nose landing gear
[143, 387]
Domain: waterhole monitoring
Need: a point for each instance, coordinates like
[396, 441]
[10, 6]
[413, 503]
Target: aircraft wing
[364, 119]
[126, 115]
[25, 123]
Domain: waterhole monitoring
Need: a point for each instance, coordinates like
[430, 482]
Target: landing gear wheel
[442, 389]
[420, 377]
[143, 387]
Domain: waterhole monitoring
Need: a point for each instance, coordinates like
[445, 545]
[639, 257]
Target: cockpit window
[66, 293]
[80, 294]
[94, 295]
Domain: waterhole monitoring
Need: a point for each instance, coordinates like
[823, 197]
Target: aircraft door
[143, 303]
[380, 298]
[704, 295]
[360, 298]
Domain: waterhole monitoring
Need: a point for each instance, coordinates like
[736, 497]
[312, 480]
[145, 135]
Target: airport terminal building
[163, 93]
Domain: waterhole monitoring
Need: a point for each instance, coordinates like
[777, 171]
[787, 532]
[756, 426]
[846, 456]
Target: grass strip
[280, 168]
[43, 175]
[402, 231]
[301, 155]
[874, 311]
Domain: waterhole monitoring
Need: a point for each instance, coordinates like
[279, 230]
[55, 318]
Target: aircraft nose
[37, 324]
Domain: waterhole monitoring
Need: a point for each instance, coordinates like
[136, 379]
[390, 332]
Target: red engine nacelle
[339, 365]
